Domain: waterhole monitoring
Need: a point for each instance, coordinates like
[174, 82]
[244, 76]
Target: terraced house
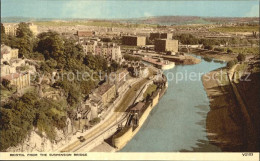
[9, 62]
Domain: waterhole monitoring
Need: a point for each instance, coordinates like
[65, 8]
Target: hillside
[161, 20]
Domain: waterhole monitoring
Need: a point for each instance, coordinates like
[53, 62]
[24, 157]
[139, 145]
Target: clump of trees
[19, 116]
[230, 63]
[187, 39]
[24, 40]
[241, 57]
[229, 51]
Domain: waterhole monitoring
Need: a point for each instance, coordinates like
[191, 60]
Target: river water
[178, 122]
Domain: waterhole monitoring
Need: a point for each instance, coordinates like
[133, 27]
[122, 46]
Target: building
[9, 57]
[89, 47]
[100, 98]
[85, 33]
[164, 45]
[119, 77]
[7, 54]
[134, 40]
[33, 28]
[20, 80]
[10, 28]
[107, 92]
[110, 51]
[154, 36]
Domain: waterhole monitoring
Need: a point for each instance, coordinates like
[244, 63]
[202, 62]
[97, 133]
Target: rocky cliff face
[226, 123]
[36, 142]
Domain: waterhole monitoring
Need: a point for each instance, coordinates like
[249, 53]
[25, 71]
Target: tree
[114, 66]
[50, 44]
[25, 41]
[6, 83]
[230, 64]
[187, 39]
[23, 30]
[3, 35]
[19, 116]
[241, 57]
[2, 29]
[229, 51]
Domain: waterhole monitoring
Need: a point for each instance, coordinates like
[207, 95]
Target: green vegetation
[219, 49]
[208, 59]
[151, 88]
[94, 121]
[24, 41]
[19, 116]
[91, 23]
[241, 57]
[243, 50]
[191, 40]
[6, 90]
[229, 51]
[236, 29]
[186, 39]
[231, 63]
[132, 58]
[59, 54]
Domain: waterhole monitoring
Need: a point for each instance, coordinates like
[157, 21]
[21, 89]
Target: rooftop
[11, 76]
[104, 88]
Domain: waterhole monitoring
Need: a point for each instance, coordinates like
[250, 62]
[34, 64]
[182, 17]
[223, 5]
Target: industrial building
[134, 40]
[154, 36]
[164, 45]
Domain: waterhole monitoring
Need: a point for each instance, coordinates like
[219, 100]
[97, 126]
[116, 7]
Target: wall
[121, 141]
[134, 40]
[22, 81]
[109, 95]
[172, 45]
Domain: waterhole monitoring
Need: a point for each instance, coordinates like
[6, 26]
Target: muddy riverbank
[213, 54]
[226, 122]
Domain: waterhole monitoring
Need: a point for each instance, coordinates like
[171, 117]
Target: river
[178, 122]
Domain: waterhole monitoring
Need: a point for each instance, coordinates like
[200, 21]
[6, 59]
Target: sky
[113, 9]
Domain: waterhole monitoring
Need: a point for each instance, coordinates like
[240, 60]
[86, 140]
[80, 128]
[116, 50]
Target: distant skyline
[115, 9]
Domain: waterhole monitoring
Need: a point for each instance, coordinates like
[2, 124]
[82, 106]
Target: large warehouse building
[134, 40]
[164, 45]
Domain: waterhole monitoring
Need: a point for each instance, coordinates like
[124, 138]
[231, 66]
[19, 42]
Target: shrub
[229, 51]
[132, 58]
[230, 64]
[208, 47]
[208, 59]
[95, 121]
[219, 49]
[5, 83]
[241, 57]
